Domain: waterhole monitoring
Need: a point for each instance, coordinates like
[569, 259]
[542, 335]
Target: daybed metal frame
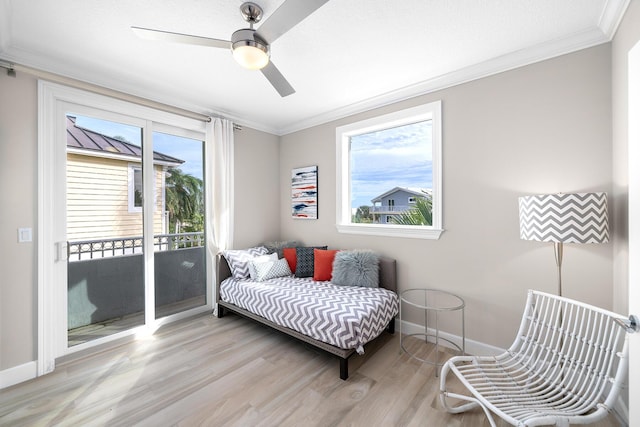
[387, 281]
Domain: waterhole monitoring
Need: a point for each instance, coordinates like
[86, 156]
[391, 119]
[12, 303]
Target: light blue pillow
[356, 268]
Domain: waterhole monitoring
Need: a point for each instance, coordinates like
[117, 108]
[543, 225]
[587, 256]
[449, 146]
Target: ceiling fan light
[248, 50]
[251, 57]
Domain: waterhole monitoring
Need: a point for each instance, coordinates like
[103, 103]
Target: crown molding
[517, 59]
[611, 17]
[40, 68]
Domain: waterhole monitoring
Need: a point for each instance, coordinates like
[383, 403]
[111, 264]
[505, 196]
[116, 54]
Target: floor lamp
[564, 218]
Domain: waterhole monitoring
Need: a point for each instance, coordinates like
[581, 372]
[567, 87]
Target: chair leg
[471, 401]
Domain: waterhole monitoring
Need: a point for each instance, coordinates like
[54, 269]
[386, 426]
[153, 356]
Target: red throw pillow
[290, 256]
[323, 264]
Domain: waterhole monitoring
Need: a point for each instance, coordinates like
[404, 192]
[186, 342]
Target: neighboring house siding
[400, 200]
[393, 204]
[97, 200]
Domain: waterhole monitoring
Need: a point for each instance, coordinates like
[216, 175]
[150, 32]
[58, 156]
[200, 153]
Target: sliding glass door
[105, 262]
[179, 250]
[135, 224]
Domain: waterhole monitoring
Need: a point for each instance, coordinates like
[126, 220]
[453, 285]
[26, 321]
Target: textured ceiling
[348, 56]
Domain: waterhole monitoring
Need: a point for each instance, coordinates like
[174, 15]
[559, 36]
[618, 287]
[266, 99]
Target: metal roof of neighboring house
[420, 192]
[86, 139]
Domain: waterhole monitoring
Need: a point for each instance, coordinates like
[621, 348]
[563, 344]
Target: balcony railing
[387, 209]
[102, 248]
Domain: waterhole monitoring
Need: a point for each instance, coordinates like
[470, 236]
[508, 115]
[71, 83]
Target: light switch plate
[24, 235]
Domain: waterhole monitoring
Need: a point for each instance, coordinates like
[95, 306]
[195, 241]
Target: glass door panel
[179, 218]
[105, 263]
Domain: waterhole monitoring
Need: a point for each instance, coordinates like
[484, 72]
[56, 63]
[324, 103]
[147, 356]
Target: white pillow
[259, 260]
[270, 269]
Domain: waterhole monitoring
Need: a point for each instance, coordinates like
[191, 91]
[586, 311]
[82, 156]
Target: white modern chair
[566, 366]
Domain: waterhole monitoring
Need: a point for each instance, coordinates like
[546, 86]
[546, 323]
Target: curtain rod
[11, 72]
[12, 68]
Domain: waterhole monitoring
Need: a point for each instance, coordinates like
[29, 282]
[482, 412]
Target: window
[387, 159]
[135, 188]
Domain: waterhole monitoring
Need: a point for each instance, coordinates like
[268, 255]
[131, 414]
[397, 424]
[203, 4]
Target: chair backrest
[573, 346]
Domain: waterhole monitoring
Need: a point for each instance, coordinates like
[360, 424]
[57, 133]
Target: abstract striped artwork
[304, 192]
[567, 218]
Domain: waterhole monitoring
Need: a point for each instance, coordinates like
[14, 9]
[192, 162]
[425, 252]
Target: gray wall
[543, 128]
[256, 196]
[18, 190]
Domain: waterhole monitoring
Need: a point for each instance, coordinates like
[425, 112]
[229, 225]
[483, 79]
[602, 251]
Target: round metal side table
[433, 301]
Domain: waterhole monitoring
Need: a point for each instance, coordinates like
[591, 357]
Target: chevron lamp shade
[564, 218]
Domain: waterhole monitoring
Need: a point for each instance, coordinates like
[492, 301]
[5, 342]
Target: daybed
[336, 319]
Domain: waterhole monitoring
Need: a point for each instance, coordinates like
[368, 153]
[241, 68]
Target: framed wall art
[304, 192]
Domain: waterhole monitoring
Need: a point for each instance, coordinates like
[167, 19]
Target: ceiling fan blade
[277, 80]
[287, 16]
[149, 34]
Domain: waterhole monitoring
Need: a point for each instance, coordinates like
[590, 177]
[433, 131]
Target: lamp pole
[557, 249]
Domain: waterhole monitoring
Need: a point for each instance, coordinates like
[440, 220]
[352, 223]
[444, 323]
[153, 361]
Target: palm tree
[363, 214]
[184, 201]
[420, 214]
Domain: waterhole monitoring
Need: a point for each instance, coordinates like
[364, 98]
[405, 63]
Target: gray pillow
[356, 268]
[278, 246]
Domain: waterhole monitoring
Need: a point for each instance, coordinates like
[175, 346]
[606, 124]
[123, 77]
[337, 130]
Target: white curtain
[219, 190]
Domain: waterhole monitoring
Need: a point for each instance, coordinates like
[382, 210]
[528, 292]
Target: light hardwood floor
[119, 324]
[232, 371]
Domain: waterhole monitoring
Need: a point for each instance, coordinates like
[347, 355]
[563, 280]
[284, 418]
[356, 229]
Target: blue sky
[186, 149]
[396, 157]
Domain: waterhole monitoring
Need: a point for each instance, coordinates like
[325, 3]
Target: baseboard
[475, 348]
[18, 374]
[621, 411]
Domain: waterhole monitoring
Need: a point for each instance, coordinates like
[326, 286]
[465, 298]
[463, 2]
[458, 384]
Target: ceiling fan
[250, 47]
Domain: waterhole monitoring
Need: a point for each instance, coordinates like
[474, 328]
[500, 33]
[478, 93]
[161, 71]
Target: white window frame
[132, 167]
[431, 111]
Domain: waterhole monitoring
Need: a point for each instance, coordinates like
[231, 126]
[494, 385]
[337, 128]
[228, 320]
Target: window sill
[412, 232]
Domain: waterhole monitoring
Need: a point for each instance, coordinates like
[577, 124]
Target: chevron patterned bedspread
[344, 316]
